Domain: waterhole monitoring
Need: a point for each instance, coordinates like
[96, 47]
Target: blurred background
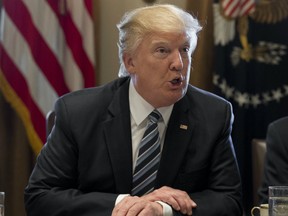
[52, 47]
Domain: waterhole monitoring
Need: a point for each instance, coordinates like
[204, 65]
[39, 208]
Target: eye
[186, 49]
[161, 52]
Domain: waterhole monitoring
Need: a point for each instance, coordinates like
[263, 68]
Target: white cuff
[167, 209]
[120, 197]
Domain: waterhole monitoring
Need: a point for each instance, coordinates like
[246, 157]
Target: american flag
[237, 8]
[46, 50]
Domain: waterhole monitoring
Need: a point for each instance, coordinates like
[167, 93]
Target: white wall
[111, 12]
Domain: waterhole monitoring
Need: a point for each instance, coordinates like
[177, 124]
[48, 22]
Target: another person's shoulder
[281, 123]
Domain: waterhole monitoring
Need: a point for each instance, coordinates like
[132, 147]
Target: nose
[176, 62]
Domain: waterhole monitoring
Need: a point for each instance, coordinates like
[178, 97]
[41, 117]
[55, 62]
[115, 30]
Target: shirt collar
[140, 108]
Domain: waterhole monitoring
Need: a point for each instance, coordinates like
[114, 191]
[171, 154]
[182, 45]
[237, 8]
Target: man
[276, 161]
[90, 163]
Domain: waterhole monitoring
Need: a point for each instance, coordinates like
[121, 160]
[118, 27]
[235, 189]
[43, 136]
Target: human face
[160, 68]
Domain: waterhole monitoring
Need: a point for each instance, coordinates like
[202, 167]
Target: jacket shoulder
[204, 97]
[95, 96]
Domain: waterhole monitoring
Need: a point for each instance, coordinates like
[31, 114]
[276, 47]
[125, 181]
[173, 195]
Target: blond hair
[136, 24]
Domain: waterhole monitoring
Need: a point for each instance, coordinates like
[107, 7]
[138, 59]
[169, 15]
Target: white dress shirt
[139, 112]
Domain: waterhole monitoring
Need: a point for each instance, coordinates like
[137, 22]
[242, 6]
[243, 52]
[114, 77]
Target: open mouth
[176, 81]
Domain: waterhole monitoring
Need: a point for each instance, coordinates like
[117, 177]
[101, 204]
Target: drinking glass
[2, 199]
[278, 200]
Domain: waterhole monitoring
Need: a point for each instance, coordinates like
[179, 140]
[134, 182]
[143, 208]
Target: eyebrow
[156, 42]
[166, 42]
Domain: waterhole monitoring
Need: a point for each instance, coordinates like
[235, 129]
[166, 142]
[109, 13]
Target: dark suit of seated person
[276, 159]
[88, 165]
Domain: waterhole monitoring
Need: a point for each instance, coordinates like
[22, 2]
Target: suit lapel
[178, 136]
[117, 132]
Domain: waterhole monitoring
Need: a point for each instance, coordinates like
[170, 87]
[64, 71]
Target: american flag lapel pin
[184, 127]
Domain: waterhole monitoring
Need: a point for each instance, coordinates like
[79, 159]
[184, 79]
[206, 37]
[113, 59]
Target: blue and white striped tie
[148, 158]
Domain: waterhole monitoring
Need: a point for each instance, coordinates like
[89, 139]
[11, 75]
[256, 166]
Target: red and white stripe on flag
[237, 8]
[46, 50]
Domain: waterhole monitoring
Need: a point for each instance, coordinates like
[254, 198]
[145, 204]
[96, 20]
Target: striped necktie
[148, 158]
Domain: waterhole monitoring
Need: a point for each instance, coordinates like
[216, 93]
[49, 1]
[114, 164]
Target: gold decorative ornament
[270, 11]
[247, 51]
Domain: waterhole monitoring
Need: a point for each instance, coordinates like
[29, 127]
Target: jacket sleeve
[221, 192]
[53, 188]
[223, 195]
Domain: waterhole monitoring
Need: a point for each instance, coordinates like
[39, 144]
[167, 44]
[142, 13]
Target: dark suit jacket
[87, 160]
[276, 160]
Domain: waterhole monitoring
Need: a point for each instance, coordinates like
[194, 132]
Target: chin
[175, 99]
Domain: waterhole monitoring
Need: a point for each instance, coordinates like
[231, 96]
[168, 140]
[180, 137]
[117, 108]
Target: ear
[128, 62]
